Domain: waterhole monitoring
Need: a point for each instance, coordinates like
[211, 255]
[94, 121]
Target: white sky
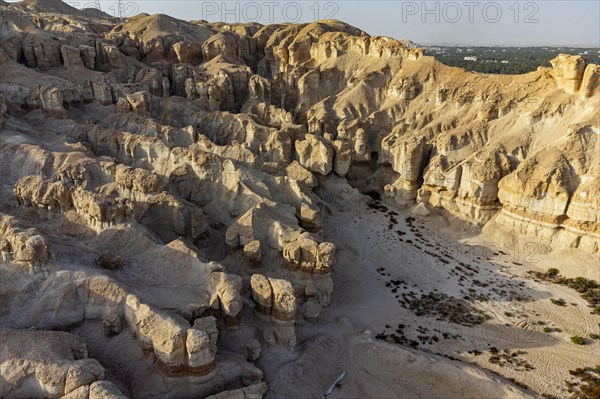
[518, 23]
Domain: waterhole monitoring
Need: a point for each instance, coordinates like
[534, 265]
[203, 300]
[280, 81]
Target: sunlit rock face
[163, 182]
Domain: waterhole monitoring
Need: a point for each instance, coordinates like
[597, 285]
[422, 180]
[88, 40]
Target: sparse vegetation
[506, 358]
[552, 272]
[446, 307]
[588, 386]
[558, 302]
[577, 340]
[548, 329]
[589, 289]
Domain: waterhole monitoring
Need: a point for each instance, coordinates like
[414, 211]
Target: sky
[468, 22]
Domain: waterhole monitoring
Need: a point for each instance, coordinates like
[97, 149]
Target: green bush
[558, 302]
[581, 284]
[552, 272]
[577, 340]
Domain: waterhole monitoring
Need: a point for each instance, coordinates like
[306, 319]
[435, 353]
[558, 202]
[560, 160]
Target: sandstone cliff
[160, 177]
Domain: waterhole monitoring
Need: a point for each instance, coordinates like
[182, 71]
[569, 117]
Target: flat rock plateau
[194, 209]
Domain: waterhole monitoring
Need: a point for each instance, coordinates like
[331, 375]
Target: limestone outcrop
[176, 346]
[276, 305]
[315, 155]
[51, 364]
[568, 72]
[58, 196]
[22, 245]
[168, 184]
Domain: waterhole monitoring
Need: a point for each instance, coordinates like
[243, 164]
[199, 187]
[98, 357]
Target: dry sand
[516, 305]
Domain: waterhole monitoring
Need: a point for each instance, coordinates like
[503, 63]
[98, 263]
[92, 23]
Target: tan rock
[105, 390]
[284, 299]
[298, 172]
[110, 261]
[253, 349]
[310, 311]
[51, 100]
[24, 245]
[140, 102]
[71, 56]
[262, 292]
[253, 252]
[342, 157]
[79, 393]
[84, 374]
[228, 287]
[568, 72]
[45, 364]
[188, 53]
[314, 154]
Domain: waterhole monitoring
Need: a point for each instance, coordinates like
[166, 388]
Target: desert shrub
[552, 272]
[577, 340]
[558, 302]
[581, 284]
[589, 382]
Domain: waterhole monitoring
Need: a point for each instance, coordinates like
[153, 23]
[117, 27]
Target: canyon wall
[156, 153]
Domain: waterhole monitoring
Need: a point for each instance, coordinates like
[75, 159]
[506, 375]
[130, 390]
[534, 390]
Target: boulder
[568, 72]
[51, 101]
[88, 55]
[111, 262]
[314, 154]
[71, 56]
[105, 390]
[284, 300]
[228, 288]
[590, 84]
[262, 293]
[253, 349]
[23, 245]
[361, 151]
[420, 210]
[48, 364]
[299, 173]
[310, 311]
[83, 375]
[342, 157]
[253, 253]
[188, 53]
[140, 102]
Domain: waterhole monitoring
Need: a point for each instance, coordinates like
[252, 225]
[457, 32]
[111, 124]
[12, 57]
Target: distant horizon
[507, 45]
[574, 24]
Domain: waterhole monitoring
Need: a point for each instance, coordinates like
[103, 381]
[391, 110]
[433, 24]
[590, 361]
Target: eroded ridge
[165, 183]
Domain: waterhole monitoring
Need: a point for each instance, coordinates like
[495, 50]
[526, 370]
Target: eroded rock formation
[161, 178]
[51, 364]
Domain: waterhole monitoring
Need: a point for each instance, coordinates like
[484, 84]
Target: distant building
[505, 61]
[471, 58]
